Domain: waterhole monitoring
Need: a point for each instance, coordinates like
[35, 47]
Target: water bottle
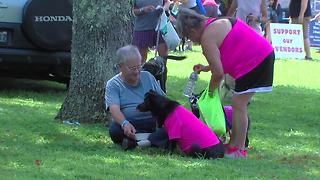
[188, 90]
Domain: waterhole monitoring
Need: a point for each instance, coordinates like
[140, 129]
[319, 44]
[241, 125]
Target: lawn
[284, 135]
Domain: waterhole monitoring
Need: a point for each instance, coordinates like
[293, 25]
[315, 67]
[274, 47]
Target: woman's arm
[212, 54]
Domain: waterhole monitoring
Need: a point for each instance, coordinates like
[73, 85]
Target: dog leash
[158, 37]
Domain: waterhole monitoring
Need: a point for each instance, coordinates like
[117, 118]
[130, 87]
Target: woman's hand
[129, 130]
[199, 67]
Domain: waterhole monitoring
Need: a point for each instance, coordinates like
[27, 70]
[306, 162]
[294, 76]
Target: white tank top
[246, 7]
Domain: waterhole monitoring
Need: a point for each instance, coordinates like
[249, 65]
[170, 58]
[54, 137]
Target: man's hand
[300, 19]
[129, 131]
[159, 10]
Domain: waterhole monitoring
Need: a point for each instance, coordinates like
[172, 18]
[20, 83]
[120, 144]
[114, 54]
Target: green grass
[284, 135]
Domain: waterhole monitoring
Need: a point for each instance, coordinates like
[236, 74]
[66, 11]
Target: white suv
[35, 39]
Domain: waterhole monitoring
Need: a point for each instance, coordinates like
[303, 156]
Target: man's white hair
[126, 53]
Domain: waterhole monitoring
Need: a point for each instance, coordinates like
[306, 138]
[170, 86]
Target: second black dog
[194, 137]
[157, 66]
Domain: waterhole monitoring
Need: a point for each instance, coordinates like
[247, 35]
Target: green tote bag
[211, 111]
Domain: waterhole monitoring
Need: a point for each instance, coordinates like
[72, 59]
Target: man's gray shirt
[128, 97]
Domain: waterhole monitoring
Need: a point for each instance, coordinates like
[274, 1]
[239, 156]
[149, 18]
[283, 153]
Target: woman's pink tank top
[242, 50]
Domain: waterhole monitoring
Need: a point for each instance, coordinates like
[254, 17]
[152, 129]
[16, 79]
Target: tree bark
[99, 29]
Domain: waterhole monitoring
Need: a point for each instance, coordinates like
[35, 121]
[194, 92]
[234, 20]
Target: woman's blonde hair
[188, 19]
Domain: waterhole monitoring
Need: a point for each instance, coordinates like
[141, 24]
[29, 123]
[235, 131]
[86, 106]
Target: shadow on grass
[40, 86]
[284, 134]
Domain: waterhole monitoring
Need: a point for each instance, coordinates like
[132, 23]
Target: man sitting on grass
[123, 93]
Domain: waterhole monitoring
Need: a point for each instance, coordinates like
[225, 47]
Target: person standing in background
[300, 13]
[190, 4]
[211, 8]
[272, 17]
[146, 20]
[254, 12]
[223, 6]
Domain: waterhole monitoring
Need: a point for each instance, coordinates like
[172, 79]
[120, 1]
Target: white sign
[287, 40]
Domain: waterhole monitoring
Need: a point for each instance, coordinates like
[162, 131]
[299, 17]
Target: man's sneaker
[233, 152]
[144, 143]
[308, 58]
[128, 144]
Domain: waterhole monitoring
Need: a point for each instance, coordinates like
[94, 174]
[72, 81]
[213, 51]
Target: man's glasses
[133, 68]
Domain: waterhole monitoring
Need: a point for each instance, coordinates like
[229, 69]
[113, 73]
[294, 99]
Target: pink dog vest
[187, 129]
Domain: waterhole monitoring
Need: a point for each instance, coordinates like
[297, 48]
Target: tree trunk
[99, 29]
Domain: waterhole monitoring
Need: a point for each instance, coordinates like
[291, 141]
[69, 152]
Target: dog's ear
[144, 107]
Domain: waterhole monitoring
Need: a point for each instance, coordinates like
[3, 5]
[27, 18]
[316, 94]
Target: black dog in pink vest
[194, 137]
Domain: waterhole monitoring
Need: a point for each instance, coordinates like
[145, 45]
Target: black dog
[158, 68]
[161, 108]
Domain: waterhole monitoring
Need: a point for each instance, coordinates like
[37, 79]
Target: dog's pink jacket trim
[242, 50]
[187, 129]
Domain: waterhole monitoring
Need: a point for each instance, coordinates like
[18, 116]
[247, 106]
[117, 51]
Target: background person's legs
[163, 49]
[144, 54]
[306, 41]
[307, 48]
[305, 28]
[144, 40]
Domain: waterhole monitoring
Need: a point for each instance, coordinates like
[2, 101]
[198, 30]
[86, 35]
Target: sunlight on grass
[292, 73]
[40, 140]
[293, 133]
[21, 102]
[314, 171]
[112, 160]
[194, 164]
[15, 165]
